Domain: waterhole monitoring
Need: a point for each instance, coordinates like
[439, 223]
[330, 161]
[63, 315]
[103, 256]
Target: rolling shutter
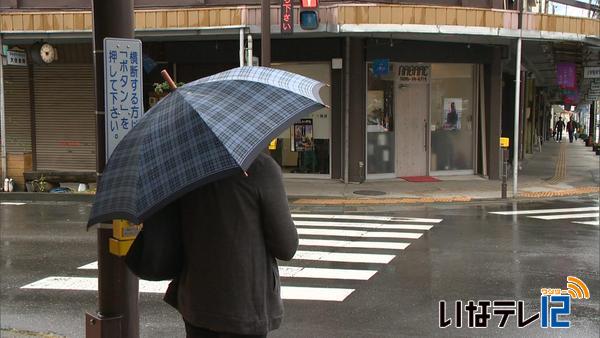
[17, 109]
[65, 120]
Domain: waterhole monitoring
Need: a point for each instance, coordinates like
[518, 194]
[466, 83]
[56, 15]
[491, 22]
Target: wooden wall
[163, 19]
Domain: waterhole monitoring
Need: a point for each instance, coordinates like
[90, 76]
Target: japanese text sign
[287, 16]
[123, 98]
[16, 58]
[591, 72]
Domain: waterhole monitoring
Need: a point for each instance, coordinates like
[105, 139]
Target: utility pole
[2, 116]
[117, 314]
[265, 33]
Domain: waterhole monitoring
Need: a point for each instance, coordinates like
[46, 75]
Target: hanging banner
[123, 100]
[287, 16]
[566, 76]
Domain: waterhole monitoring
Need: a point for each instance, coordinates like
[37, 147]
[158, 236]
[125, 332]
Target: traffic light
[309, 14]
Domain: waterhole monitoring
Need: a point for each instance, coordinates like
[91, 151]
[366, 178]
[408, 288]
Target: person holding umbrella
[233, 231]
[195, 161]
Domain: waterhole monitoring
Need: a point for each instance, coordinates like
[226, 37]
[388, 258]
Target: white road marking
[302, 272]
[309, 293]
[567, 216]
[364, 225]
[369, 218]
[588, 223]
[543, 211]
[343, 257]
[91, 284]
[90, 266]
[11, 203]
[354, 244]
[357, 233]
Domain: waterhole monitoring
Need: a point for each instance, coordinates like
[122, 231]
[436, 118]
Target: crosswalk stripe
[369, 218]
[11, 203]
[359, 228]
[353, 244]
[91, 284]
[589, 223]
[567, 216]
[90, 266]
[325, 273]
[364, 225]
[357, 233]
[543, 211]
[310, 293]
[300, 272]
[342, 257]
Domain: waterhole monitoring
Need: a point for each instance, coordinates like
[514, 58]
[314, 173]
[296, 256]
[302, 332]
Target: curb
[324, 200]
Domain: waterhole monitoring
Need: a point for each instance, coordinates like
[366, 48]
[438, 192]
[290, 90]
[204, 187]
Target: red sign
[310, 3]
[287, 16]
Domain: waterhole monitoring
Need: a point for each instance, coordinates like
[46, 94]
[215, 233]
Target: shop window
[451, 118]
[305, 147]
[380, 121]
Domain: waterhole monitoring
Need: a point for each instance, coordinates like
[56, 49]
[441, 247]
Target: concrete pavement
[558, 170]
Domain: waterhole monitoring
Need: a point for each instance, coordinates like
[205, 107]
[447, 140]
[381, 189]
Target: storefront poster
[303, 135]
[452, 113]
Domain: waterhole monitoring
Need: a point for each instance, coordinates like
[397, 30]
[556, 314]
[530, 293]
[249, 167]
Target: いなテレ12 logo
[555, 305]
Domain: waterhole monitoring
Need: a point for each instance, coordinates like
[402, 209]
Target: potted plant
[163, 89]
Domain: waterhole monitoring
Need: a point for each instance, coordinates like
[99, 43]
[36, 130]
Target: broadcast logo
[555, 304]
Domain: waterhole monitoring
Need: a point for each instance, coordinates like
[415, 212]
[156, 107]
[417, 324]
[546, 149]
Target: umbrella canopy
[203, 131]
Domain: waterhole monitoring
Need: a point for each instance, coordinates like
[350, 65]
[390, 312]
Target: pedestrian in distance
[571, 129]
[559, 126]
[233, 230]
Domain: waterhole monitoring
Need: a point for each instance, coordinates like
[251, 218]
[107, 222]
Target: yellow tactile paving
[561, 166]
[559, 193]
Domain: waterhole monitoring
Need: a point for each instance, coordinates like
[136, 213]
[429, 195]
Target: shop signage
[15, 58]
[381, 67]
[413, 73]
[595, 86]
[591, 72]
[287, 16]
[124, 105]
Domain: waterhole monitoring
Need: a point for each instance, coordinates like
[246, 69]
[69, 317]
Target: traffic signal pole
[117, 314]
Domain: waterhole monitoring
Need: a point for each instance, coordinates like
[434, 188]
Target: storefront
[420, 119]
[305, 148]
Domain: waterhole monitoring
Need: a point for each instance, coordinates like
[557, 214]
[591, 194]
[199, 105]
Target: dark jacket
[233, 229]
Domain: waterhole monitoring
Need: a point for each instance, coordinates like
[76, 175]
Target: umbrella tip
[245, 173]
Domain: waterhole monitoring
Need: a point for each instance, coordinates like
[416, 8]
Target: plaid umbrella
[203, 131]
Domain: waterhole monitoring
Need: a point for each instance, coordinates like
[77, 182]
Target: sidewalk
[560, 169]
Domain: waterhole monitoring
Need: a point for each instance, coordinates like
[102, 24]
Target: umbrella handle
[167, 78]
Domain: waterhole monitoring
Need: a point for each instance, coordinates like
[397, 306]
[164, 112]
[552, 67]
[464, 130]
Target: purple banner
[566, 76]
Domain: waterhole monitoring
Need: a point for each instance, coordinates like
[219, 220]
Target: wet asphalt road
[470, 255]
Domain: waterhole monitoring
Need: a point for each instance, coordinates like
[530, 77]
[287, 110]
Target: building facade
[415, 90]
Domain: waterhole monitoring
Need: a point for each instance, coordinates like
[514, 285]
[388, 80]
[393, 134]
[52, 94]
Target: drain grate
[369, 192]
